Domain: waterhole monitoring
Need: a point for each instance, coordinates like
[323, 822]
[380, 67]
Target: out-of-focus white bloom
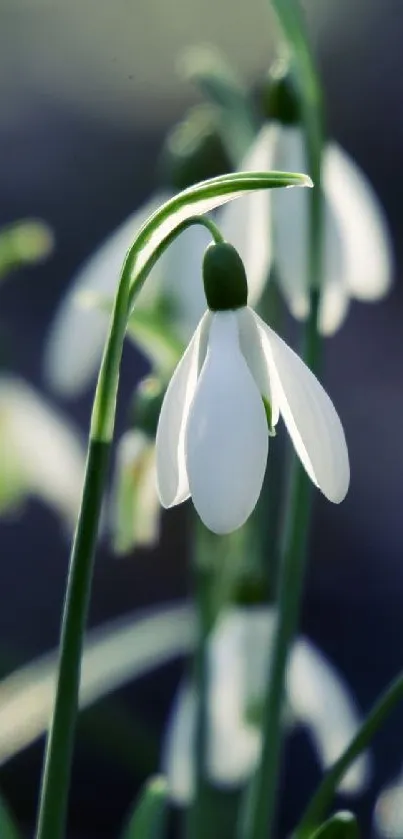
[41, 453]
[136, 508]
[240, 650]
[357, 248]
[388, 815]
[212, 437]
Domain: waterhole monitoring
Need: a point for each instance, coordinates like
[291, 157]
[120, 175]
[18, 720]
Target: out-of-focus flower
[239, 655]
[357, 249]
[212, 436]
[388, 815]
[41, 453]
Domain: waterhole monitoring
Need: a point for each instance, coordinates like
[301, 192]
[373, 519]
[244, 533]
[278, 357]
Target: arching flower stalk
[225, 398]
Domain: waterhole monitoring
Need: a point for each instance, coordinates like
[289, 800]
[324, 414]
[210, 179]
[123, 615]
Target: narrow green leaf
[322, 798]
[148, 818]
[165, 224]
[220, 84]
[342, 825]
[114, 654]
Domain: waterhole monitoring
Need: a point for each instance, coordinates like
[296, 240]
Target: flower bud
[279, 96]
[224, 278]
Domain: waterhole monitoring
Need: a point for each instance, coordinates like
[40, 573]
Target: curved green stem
[319, 804]
[59, 747]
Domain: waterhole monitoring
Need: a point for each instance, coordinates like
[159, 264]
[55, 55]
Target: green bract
[224, 278]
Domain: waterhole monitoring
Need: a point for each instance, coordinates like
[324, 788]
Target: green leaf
[8, 828]
[342, 825]
[150, 810]
[185, 208]
[322, 798]
[220, 84]
[114, 654]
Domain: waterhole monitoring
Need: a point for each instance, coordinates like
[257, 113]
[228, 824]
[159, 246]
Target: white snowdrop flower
[227, 393]
[42, 455]
[357, 249]
[239, 655]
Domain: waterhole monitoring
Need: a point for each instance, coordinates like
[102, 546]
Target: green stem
[319, 804]
[59, 746]
[200, 810]
[261, 802]
[56, 774]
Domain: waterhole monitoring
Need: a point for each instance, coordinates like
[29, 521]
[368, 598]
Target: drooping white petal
[309, 414]
[290, 218]
[388, 815]
[321, 700]
[178, 746]
[253, 351]
[333, 306]
[42, 446]
[172, 479]
[77, 335]
[226, 436]
[247, 224]
[238, 652]
[366, 245]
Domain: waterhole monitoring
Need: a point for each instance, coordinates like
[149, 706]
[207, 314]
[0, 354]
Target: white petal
[333, 307]
[367, 251]
[226, 436]
[291, 236]
[388, 816]
[47, 448]
[320, 699]
[310, 416]
[178, 746]
[172, 477]
[253, 351]
[247, 224]
[77, 335]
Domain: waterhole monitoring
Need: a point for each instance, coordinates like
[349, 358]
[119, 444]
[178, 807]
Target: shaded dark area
[84, 176]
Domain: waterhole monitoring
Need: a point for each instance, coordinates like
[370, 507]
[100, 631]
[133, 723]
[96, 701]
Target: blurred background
[88, 90]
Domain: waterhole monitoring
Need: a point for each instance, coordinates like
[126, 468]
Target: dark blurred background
[87, 93]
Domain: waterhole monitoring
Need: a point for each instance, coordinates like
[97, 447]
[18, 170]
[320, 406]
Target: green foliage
[148, 818]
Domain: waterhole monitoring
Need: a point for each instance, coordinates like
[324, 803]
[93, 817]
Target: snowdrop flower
[239, 655]
[225, 397]
[136, 509]
[388, 816]
[357, 248]
[41, 455]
